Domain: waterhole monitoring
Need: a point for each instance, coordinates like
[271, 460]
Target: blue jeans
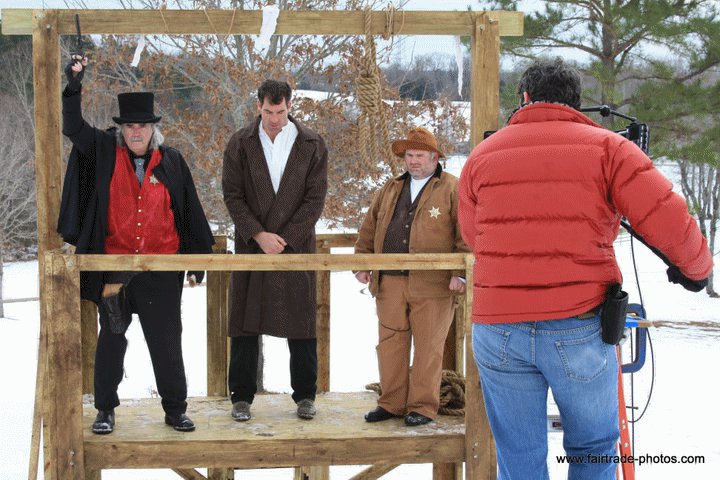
[517, 364]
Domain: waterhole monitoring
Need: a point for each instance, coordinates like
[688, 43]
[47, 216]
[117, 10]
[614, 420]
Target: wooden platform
[274, 437]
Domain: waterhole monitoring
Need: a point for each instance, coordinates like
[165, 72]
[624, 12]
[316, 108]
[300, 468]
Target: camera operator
[539, 204]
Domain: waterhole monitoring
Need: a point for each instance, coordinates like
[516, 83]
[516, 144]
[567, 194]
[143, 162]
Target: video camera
[638, 133]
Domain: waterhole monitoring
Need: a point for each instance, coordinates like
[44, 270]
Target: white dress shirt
[277, 152]
[416, 186]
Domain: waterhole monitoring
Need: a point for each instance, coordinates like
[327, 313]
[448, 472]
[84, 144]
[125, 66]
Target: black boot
[379, 415]
[180, 422]
[414, 419]
[104, 422]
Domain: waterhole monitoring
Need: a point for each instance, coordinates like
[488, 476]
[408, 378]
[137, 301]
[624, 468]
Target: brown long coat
[280, 304]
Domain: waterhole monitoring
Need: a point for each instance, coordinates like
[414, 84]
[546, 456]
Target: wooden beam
[279, 453]
[65, 356]
[247, 22]
[485, 81]
[248, 262]
[189, 474]
[335, 240]
[375, 471]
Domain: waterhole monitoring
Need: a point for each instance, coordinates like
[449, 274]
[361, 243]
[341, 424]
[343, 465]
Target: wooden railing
[69, 345]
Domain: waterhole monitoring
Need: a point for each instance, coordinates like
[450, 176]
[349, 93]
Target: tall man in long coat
[274, 184]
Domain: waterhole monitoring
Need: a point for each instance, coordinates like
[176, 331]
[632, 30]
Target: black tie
[139, 169]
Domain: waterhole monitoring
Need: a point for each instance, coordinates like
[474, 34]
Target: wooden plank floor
[274, 437]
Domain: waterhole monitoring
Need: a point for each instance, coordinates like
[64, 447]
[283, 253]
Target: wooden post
[323, 323]
[48, 168]
[218, 348]
[453, 359]
[460, 335]
[323, 353]
[217, 339]
[64, 415]
[480, 462]
[485, 97]
[312, 473]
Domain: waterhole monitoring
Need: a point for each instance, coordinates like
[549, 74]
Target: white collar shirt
[416, 186]
[277, 152]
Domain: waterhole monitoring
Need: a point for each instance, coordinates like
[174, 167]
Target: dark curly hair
[552, 81]
[275, 91]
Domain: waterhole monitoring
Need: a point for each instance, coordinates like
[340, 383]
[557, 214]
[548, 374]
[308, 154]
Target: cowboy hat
[418, 139]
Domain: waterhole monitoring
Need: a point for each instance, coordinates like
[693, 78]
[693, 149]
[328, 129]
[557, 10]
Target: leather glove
[74, 78]
[676, 276]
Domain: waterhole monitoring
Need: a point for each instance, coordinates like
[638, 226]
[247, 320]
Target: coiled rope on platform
[373, 119]
[452, 393]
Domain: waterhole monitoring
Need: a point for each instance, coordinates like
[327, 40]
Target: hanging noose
[373, 121]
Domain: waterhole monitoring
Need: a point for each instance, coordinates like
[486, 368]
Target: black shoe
[241, 411]
[414, 419]
[180, 422]
[379, 415]
[104, 422]
[306, 409]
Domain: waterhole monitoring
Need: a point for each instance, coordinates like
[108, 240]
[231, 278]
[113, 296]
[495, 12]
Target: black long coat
[83, 211]
[280, 304]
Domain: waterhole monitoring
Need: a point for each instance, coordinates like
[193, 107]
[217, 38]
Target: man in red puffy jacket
[539, 204]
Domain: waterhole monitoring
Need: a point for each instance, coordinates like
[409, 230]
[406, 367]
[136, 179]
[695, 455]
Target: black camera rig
[638, 133]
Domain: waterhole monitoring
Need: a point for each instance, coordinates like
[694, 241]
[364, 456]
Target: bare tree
[18, 215]
[700, 184]
[205, 89]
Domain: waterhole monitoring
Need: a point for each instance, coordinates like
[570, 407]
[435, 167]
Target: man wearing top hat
[413, 213]
[127, 193]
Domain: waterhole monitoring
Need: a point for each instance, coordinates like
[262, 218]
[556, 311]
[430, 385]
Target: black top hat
[136, 107]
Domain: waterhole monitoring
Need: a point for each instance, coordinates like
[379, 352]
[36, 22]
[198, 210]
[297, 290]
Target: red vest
[140, 219]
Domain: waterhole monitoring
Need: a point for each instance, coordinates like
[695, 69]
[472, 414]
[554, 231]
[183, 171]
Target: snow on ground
[681, 420]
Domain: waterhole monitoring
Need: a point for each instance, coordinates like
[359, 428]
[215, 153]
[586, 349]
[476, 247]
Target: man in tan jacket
[413, 213]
